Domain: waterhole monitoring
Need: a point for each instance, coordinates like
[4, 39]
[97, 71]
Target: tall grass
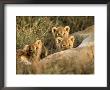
[30, 28]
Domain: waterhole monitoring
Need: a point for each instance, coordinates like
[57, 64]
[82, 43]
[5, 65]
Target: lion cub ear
[59, 39]
[26, 47]
[67, 28]
[54, 30]
[38, 42]
[72, 38]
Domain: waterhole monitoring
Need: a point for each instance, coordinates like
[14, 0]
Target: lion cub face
[35, 48]
[60, 31]
[30, 51]
[64, 43]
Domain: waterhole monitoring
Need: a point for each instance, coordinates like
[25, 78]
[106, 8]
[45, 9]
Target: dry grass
[30, 28]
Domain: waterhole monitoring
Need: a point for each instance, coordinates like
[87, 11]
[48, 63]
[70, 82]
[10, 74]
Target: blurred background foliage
[30, 28]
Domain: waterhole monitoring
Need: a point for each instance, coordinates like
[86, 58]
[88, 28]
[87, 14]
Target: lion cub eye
[58, 34]
[63, 45]
[30, 50]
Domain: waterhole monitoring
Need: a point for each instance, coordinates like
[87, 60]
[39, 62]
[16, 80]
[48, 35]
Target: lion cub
[33, 51]
[64, 43]
[60, 31]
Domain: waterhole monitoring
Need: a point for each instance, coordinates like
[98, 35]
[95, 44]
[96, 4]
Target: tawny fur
[81, 35]
[33, 51]
[88, 41]
[71, 61]
[78, 60]
[60, 31]
[30, 56]
[64, 43]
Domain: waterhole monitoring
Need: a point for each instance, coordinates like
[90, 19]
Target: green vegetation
[30, 28]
